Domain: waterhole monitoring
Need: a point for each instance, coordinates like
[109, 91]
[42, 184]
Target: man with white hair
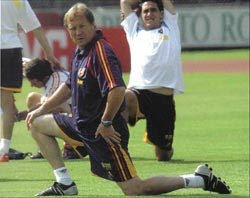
[97, 91]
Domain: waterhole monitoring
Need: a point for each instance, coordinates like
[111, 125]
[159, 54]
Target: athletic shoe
[212, 182]
[58, 189]
[21, 116]
[17, 155]
[37, 156]
[4, 157]
[69, 153]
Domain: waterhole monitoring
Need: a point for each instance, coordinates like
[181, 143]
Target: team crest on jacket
[81, 73]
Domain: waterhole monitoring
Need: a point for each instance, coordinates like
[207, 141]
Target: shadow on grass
[203, 196]
[169, 196]
[182, 161]
[23, 180]
[44, 160]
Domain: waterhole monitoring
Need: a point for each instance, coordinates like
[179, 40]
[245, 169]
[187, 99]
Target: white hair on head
[76, 8]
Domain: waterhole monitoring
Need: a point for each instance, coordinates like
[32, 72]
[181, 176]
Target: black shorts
[11, 69]
[112, 163]
[159, 111]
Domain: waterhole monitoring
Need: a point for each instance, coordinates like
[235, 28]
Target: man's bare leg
[7, 120]
[132, 112]
[202, 177]
[45, 130]
[151, 186]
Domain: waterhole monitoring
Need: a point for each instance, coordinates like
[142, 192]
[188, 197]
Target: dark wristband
[106, 123]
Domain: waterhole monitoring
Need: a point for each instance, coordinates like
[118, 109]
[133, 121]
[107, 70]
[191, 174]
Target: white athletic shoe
[212, 182]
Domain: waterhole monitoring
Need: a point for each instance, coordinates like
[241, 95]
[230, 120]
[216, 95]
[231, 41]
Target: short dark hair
[158, 2]
[37, 69]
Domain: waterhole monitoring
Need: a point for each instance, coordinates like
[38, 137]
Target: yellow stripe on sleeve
[104, 64]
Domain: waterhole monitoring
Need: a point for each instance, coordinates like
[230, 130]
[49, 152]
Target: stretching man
[154, 39]
[40, 75]
[97, 91]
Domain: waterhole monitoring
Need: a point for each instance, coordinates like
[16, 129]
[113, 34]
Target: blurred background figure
[15, 13]
[40, 75]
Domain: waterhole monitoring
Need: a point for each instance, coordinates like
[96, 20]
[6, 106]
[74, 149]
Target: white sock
[62, 176]
[4, 146]
[193, 181]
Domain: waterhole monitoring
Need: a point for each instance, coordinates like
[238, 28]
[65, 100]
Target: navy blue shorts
[11, 69]
[112, 163]
[159, 111]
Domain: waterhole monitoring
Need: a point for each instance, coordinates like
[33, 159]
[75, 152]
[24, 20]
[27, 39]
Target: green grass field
[212, 127]
[233, 54]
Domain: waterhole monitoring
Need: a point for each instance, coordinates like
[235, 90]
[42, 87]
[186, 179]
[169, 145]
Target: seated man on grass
[40, 75]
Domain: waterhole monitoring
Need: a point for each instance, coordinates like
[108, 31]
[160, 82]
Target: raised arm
[168, 5]
[126, 7]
